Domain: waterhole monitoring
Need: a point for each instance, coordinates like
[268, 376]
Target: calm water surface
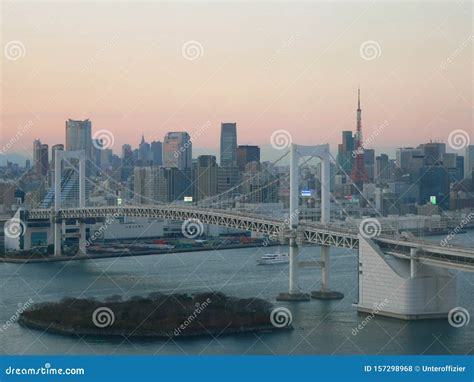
[321, 327]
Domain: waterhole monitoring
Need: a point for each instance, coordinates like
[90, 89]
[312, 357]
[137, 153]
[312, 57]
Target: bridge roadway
[330, 235]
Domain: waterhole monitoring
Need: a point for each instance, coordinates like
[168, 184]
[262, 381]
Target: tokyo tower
[359, 173]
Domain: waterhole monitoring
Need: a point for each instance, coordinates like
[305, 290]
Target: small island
[157, 316]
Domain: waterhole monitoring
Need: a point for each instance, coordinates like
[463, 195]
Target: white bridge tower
[296, 153]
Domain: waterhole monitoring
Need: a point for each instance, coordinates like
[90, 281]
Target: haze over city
[265, 66]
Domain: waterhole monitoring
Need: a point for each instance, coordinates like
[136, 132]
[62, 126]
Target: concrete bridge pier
[294, 291]
[82, 238]
[325, 293]
[402, 288]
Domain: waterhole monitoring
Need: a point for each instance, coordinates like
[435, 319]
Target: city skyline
[276, 76]
[274, 178]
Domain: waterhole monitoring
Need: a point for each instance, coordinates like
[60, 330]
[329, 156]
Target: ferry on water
[274, 258]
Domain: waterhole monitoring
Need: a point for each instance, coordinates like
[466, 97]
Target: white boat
[274, 258]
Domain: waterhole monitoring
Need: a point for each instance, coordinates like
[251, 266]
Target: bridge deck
[330, 235]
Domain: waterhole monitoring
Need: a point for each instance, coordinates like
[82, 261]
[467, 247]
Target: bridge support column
[57, 226]
[82, 238]
[294, 291]
[325, 293]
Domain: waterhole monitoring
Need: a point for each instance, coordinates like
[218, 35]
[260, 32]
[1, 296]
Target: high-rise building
[405, 157]
[177, 150]
[345, 154]
[369, 161]
[259, 186]
[127, 155]
[228, 145]
[453, 166]
[247, 154]
[126, 168]
[157, 153]
[144, 153]
[460, 167]
[44, 159]
[37, 156]
[206, 177]
[433, 153]
[40, 158]
[434, 186]
[79, 136]
[469, 161]
[159, 184]
[382, 169]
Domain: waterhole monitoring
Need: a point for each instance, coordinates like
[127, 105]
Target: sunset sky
[266, 66]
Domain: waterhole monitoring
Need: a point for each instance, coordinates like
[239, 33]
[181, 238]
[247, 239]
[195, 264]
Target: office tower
[460, 167]
[79, 136]
[345, 155]
[37, 156]
[44, 159]
[126, 168]
[228, 145]
[359, 173]
[369, 161]
[451, 164]
[434, 186]
[247, 154]
[259, 184]
[410, 160]
[161, 185]
[144, 153]
[469, 161]
[157, 153]
[144, 185]
[127, 155]
[382, 169]
[433, 153]
[40, 158]
[228, 174]
[97, 147]
[206, 177]
[177, 150]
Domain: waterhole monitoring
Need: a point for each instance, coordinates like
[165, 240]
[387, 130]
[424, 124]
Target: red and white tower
[359, 173]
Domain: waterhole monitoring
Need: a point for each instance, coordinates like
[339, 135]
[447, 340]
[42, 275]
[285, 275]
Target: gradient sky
[266, 66]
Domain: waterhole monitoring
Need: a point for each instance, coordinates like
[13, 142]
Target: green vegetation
[155, 316]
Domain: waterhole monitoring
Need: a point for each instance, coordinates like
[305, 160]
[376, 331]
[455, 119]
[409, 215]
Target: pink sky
[268, 66]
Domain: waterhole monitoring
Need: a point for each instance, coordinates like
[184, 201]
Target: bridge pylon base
[326, 295]
[293, 297]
